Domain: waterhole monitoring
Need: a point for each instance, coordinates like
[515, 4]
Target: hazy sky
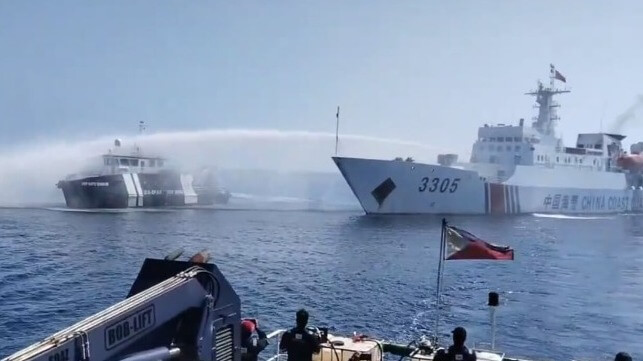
[426, 71]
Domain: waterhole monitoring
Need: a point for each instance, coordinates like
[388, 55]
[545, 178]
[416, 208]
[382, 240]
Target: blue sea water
[574, 291]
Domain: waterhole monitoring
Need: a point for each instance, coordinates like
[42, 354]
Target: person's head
[459, 336]
[247, 328]
[302, 318]
[623, 356]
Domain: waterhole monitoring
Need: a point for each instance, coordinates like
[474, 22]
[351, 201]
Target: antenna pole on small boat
[494, 301]
[439, 282]
[141, 126]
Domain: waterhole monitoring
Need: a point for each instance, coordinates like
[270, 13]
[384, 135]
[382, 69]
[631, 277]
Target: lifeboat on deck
[632, 162]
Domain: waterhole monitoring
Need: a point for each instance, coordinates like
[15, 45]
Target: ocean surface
[574, 291]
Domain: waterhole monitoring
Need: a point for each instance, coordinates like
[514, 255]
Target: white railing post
[275, 334]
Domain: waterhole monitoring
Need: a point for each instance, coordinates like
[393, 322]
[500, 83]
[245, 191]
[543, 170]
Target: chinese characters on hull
[575, 202]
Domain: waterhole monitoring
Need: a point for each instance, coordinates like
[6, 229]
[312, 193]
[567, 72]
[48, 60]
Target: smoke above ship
[627, 116]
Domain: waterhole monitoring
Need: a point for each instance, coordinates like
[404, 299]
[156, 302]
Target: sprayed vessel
[131, 179]
[513, 169]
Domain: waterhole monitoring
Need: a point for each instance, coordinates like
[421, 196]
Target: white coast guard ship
[513, 169]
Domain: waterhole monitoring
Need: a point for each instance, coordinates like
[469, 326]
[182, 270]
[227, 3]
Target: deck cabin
[117, 163]
[517, 145]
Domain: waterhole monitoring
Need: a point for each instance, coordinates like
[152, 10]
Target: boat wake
[565, 216]
[264, 202]
[102, 210]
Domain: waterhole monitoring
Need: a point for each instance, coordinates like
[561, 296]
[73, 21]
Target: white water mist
[29, 173]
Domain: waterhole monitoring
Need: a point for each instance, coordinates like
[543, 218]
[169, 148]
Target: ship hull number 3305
[441, 185]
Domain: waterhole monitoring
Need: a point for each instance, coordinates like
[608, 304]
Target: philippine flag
[461, 244]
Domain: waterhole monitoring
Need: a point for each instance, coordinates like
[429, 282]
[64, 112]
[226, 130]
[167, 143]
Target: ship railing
[339, 353]
[277, 355]
[485, 351]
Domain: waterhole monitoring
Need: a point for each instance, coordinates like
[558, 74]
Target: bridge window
[597, 146]
[159, 163]
[492, 139]
[517, 148]
[508, 139]
[557, 160]
[142, 163]
[517, 139]
[152, 163]
[501, 139]
[124, 161]
[133, 162]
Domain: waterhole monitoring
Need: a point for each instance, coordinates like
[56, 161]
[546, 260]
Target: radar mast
[545, 122]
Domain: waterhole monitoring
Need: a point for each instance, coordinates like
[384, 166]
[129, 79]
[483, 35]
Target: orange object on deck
[630, 162]
[201, 257]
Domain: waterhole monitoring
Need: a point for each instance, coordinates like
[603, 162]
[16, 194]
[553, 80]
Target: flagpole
[437, 291]
[337, 130]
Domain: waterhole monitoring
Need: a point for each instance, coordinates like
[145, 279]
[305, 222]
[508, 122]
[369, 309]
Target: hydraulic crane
[175, 310]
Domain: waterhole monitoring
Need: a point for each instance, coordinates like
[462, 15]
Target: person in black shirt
[623, 356]
[252, 346]
[298, 342]
[458, 351]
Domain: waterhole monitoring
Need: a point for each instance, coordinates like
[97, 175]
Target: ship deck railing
[484, 351]
[277, 355]
[338, 352]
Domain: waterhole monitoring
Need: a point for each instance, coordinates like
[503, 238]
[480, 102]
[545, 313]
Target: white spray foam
[29, 173]
[565, 216]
